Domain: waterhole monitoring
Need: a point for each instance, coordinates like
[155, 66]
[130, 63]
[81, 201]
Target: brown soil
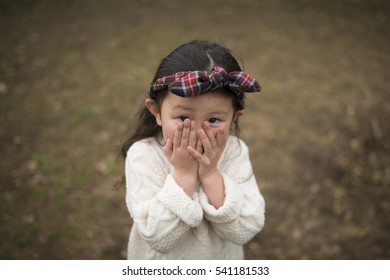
[72, 76]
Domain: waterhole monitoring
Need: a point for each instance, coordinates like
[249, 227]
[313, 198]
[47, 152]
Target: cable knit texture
[168, 224]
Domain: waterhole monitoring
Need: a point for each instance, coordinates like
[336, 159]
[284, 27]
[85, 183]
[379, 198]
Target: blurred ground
[73, 73]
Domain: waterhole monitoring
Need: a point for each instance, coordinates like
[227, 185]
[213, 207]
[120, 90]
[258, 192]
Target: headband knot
[194, 83]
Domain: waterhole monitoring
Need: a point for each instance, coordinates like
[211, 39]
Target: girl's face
[215, 109]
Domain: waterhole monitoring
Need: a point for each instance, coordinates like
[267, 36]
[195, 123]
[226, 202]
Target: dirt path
[72, 76]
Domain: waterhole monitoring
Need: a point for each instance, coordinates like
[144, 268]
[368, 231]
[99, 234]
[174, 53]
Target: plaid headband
[194, 83]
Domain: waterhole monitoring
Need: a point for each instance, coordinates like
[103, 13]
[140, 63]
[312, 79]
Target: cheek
[226, 129]
[169, 130]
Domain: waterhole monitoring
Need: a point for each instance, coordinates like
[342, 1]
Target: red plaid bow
[193, 83]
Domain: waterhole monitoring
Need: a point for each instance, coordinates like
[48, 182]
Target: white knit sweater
[168, 224]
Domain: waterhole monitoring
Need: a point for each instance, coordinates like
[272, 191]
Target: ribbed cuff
[173, 197]
[231, 207]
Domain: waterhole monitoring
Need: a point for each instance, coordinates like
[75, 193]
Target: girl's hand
[213, 145]
[209, 175]
[185, 165]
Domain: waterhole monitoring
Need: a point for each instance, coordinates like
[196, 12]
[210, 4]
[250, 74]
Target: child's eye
[214, 120]
[182, 118]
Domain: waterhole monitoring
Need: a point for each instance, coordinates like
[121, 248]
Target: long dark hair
[194, 56]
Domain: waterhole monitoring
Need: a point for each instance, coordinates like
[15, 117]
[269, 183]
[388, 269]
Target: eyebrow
[181, 107]
[185, 108]
[218, 113]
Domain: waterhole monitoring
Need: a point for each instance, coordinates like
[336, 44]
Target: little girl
[190, 186]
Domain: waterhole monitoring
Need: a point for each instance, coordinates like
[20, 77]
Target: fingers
[193, 139]
[210, 133]
[212, 139]
[186, 133]
[168, 148]
[221, 138]
[204, 140]
[199, 146]
[207, 138]
[178, 135]
[195, 153]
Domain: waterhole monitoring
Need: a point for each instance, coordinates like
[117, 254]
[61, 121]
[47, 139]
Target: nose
[198, 126]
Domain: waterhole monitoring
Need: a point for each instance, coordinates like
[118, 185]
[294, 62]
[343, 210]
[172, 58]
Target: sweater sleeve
[241, 216]
[162, 212]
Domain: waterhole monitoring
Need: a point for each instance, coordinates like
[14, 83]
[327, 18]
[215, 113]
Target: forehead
[203, 102]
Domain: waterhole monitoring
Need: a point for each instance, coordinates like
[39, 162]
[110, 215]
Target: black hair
[197, 55]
